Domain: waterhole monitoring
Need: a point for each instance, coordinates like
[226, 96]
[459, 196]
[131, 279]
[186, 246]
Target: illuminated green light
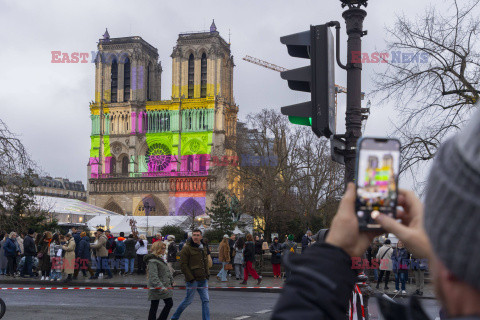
[303, 121]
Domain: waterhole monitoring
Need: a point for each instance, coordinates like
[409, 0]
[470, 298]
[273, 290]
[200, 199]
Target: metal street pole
[354, 17]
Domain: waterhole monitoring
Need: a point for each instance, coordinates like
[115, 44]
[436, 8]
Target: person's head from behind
[122, 234]
[56, 238]
[451, 220]
[197, 236]
[249, 237]
[31, 232]
[142, 237]
[158, 248]
[387, 242]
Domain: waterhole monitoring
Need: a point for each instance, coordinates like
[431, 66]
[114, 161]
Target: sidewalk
[269, 284]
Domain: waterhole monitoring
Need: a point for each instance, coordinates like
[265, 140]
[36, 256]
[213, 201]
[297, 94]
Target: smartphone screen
[378, 166]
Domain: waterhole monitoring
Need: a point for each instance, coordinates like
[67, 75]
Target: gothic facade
[152, 156]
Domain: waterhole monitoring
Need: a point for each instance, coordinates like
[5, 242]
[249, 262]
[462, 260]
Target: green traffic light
[300, 121]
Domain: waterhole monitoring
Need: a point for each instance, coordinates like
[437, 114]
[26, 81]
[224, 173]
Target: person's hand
[344, 232]
[410, 231]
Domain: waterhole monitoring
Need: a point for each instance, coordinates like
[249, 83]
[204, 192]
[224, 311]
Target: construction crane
[274, 67]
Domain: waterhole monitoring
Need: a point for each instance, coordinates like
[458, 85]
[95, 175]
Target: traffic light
[318, 78]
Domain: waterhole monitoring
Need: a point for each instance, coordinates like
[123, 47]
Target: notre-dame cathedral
[151, 156]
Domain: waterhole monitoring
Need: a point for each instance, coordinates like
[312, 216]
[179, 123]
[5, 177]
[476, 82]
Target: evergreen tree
[221, 214]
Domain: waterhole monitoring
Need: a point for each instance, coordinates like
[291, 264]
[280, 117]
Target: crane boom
[274, 67]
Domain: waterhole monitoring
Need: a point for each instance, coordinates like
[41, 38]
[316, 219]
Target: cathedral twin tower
[150, 156]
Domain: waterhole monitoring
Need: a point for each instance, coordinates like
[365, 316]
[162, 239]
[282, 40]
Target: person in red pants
[276, 251]
[249, 258]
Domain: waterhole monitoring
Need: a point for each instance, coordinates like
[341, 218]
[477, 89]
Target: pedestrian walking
[44, 255]
[129, 255]
[249, 256]
[238, 259]
[30, 252]
[141, 247]
[385, 259]
[375, 247]
[224, 258]
[171, 253]
[84, 256]
[259, 255]
[194, 265]
[276, 251]
[3, 257]
[56, 258]
[306, 240]
[400, 264]
[119, 253]
[11, 251]
[419, 267]
[69, 257]
[101, 252]
[289, 247]
[160, 278]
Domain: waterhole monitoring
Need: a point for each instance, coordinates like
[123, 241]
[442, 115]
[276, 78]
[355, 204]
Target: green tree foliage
[173, 230]
[221, 214]
[18, 209]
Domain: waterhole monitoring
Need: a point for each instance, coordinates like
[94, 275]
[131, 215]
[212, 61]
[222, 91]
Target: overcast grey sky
[48, 104]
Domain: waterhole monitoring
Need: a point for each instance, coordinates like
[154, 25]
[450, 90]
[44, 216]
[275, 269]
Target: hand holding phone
[376, 177]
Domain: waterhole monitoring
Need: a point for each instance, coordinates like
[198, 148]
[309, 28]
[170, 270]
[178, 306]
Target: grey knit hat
[452, 203]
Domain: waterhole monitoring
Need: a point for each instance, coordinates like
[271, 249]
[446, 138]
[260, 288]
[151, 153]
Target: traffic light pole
[354, 17]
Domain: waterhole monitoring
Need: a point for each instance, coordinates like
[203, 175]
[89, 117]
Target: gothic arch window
[113, 165]
[126, 80]
[113, 206]
[114, 80]
[203, 163]
[190, 207]
[203, 77]
[190, 163]
[125, 165]
[191, 76]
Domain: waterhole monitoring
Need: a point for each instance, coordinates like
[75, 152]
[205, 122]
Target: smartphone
[376, 177]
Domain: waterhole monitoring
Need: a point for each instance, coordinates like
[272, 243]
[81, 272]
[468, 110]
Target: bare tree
[434, 85]
[284, 172]
[13, 156]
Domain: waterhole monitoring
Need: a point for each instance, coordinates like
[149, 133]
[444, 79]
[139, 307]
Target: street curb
[27, 283]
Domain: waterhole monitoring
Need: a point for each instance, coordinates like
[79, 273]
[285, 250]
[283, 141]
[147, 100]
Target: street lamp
[146, 206]
[353, 3]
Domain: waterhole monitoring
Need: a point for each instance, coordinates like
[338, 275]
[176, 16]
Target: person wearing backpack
[110, 245]
[119, 252]
[129, 256]
[289, 247]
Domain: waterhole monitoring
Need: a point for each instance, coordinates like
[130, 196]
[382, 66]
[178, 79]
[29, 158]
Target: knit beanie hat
[452, 203]
[290, 237]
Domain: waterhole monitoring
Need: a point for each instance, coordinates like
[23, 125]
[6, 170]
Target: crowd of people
[56, 256]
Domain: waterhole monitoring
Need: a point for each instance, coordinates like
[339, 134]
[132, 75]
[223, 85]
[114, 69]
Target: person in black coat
[276, 251]
[84, 256]
[29, 251]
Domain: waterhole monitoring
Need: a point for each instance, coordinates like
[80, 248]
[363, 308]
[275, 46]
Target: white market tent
[119, 224]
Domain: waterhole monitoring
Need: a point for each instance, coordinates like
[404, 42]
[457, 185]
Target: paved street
[38, 305]
[133, 304]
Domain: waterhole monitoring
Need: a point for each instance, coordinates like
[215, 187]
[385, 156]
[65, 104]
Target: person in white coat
[142, 250]
[384, 257]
